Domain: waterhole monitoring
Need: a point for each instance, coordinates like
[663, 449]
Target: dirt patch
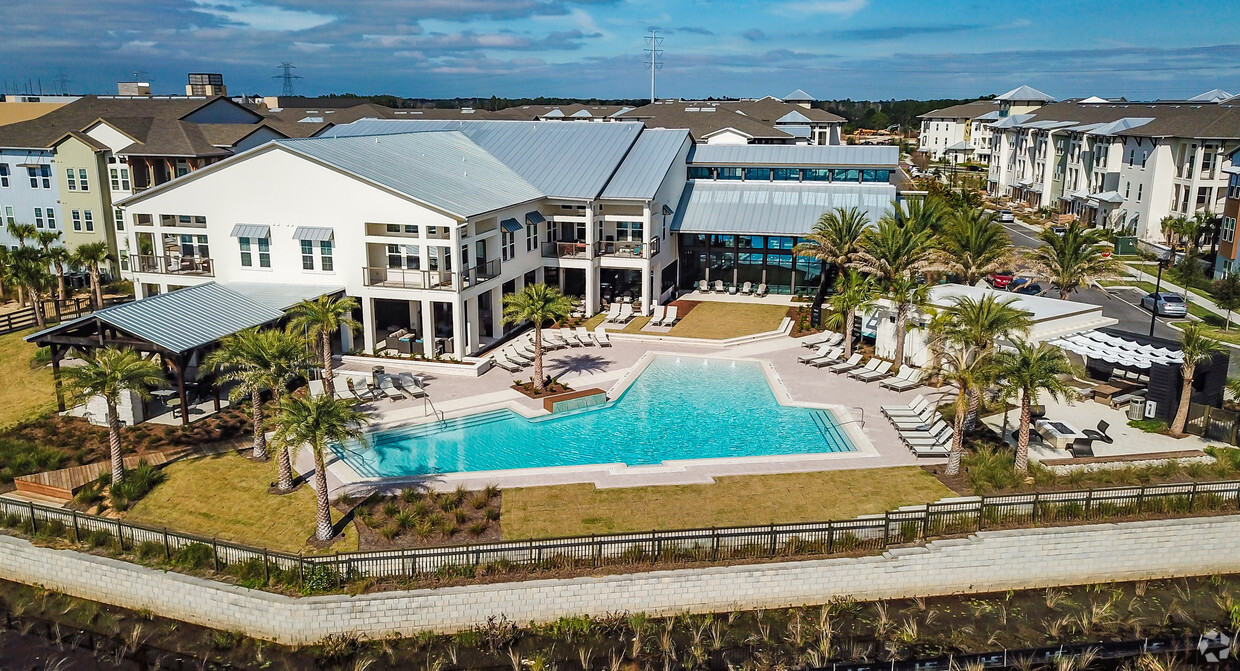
[532, 391]
[417, 518]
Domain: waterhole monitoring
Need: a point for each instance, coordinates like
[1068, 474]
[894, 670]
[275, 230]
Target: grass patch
[1213, 328]
[26, 392]
[1149, 425]
[566, 510]
[226, 496]
[712, 321]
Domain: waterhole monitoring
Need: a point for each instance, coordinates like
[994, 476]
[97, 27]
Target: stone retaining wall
[984, 562]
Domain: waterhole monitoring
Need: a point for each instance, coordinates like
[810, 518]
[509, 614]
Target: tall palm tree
[58, 255]
[1074, 258]
[22, 232]
[834, 241]
[245, 358]
[1032, 369]
[1197, 348]
[5, 259]
[539, 304]
[897, 247]
[316, 421]
[285, 357]
[973, 245]
[92, 255]
[319, 319]
[921, 213]
[906, 293]
[979, 324]
[108, 373]
[967, 369]
[28, 268]
[853, 291]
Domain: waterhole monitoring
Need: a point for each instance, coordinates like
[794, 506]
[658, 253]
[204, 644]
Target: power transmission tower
[63, 80]
[655, 57]
[288, 78]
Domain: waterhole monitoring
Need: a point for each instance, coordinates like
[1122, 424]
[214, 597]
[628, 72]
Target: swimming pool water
[677, 408]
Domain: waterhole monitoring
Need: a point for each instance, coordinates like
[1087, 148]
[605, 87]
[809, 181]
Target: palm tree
[853, 291]
[92, 255]
[973, 245]
[316, 421]
[58, 255]
[5, 259]
[967, 369]
[285, 358]
[1074, 258]
[28, 269]
[979, 324]
[1197, 348]
[921, 213]
[537, 303]
[897, 247]
[245, 359]
[108, 373]
[22, 232]
[834, 241]
[1033, 369]
[320, 319]
[906, 293]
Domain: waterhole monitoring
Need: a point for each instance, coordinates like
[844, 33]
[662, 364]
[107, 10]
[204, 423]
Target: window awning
[535, 218]
[511, 225]
[313, 233]
[251, 231]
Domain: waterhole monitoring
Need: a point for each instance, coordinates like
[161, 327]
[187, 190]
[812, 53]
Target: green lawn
[565, 510]
[714, 321]
[1214, 330]
[226, 496]
[26, 392]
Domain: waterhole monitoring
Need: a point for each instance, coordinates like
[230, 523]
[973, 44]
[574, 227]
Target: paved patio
[587, 367]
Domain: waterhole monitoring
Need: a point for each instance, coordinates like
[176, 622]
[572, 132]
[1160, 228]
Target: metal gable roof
[646, 164]
[772, 208]
[795, 155]
[445, 170]
[1025, 93]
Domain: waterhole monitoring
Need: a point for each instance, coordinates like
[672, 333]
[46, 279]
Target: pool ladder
[856, 421]
[426, 400]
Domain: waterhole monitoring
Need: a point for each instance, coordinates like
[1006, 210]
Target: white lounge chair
[918, 409]
[747, 288]
[567, 335]
[918, 399]
[820, 352]
[584, 336]
[922, 434]
[363, 396]
[388, 388]
[831, 356]
[918, 422]
[876, 374]
[909, 378]
[816, 339]
[656, 316]
[719, 288]
[761, 291]
[869, 366]
[613, 313]
[503, 362]
[626, 313]
[938, 449]
[600, 334]
[852, 362]
[670, 317]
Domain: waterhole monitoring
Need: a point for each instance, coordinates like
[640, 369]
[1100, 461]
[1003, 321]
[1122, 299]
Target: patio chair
[852, 362]
[831, 355]
[1081, 447]
[928, 443]
[919, 422]
[747, 288]
[408, 385]
[584, 336]
[869, 366]
[361, 396]
[909, 378]
[547, 343]
[761, 291]
[656, 316]
[821, 351]
[387, 387]
[921, 434]
[719, 288]
[613, 313]
[549, 335]
[942, 449]
[1100, 433]
[600, 334]
[876, 374]
[670, 317]
[703, 286]
[919, 399]
[503, 362]
[626, 313]
[813, 341]
[567, 335]
[516, 356]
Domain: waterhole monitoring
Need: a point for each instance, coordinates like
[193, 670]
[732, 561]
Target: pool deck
[856, 403]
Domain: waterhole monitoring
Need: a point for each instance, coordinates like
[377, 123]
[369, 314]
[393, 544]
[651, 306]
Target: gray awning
[511, 225]
[251, 231]
[535, 218]
[313, 233]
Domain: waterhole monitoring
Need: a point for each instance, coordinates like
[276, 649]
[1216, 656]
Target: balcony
[626, 249]
[174, 265]
[566, 250]
[480, 273]
[403, 278]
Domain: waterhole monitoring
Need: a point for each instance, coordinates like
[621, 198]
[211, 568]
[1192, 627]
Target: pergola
[179, 327]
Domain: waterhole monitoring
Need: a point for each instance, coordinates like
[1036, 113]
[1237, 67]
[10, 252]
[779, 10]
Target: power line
[288, 78]
[654, 54]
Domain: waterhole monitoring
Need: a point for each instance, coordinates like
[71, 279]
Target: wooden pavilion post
[179, 366]
[58, 352]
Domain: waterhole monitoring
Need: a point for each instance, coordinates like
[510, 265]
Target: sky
[833, 49]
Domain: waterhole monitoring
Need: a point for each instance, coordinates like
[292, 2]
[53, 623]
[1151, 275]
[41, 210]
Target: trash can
[1136, 408]
[376, 372]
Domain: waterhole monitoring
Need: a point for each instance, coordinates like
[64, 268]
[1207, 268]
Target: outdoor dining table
[1058, 434]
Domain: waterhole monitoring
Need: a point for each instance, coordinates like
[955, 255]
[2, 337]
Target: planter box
[469, 367]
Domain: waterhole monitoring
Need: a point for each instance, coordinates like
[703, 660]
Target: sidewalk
[1168, 285]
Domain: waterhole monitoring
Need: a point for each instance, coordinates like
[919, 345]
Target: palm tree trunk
[260, 433]
[323, 524]
[957, 453]
[1186, 393]
[329, 385]
[1022, 441]
[848, 330]
[60, 281]
[114, 443]
[975, 406]
[538, 356]
[901, 328]
[96, 287]
[284, 461]
[36, 301]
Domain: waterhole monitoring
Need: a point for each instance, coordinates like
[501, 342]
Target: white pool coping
[608, 475]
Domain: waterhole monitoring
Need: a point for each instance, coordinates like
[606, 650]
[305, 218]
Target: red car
[1001, 280]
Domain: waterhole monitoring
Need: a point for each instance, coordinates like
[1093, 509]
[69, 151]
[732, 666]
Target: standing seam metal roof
[646, 164]
[773, 208]
[795, 155]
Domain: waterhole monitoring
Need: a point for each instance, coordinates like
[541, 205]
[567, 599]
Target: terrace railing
[480, 273]
[867, 534]
[566, 250]
[70, 308]
[174, 265]
[402, 278]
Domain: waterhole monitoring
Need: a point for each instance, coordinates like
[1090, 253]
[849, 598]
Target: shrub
[389, 532]
[477, 528]
[404, 519]
[337, 648]
[88, 495]
[149, 550]
[410, 495]
[421, 508]
[492, 514]
[423, 528]
[22, 457]
[99, 538]
[390, 509]
[461, 515]
[137, 484]
[492, 491]
[479, 500]
[320, 578]
[194, 556]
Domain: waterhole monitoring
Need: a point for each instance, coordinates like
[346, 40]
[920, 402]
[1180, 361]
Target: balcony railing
[174, 265]
[480, 273]
[627, 249]
[402, 278]
[566, 250]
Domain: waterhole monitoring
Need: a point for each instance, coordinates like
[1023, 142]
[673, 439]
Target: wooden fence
[866, 534]
[1213, 423]
[70, 308]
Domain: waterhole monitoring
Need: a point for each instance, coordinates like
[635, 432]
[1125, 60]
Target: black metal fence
[867, 534]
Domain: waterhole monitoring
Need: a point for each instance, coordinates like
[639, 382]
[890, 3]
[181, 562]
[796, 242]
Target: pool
[677, 408]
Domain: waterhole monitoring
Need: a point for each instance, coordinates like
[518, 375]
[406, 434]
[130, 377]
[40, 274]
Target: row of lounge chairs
[393, 387]
[619, 313]
[663, 316]
[828, 352]
[920, 428]
[719, 287]
[520, 353]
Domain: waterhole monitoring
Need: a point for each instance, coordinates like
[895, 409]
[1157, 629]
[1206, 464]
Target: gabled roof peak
[1025, 93]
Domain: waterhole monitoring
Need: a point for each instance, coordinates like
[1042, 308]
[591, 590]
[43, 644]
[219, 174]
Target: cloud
[754, 35]
[899, 32]
[839, 7]
[265, 17]
[694, 30]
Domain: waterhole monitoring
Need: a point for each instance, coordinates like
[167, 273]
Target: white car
[1006, 216]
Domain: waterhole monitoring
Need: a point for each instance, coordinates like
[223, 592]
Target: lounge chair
[917, 422]
[813, 341]
[932, 439]
[747, 288]
[503, 362]
[364, 396]
[517, 356]
[567, 335]
[917, 434]
[613, 313]
[719, 288]
[942, 449]
[584, 336]
[761, 291]
[876, 374]
[820, 352]
[553, 339]
[669, 317]
[408, 385]
[386, 389]
[600, 334]
[703, 286]
[870, 365]
[833, 356]
[547, 343]
[656, 316]
[626, 313]
[1081, 447]
[852, 362]
[917, 400]
[907, 378]
[1100, 433]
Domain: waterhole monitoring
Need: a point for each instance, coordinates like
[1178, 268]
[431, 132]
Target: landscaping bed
[420, 518]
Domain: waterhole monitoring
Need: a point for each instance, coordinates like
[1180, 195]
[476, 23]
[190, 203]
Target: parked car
[1025, 286]
[1001, 279]
[1165, 304]
[1006, 216]
[975, 168]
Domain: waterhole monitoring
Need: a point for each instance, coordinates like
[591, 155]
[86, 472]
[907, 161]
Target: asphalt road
[1121, 304]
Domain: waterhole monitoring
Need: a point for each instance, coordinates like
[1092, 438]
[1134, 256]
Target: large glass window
[815, 174]
[699, 172]
[758, 174]
[845, 175]
[247, 246]
[780, 242]
[807, 274]
[730, 173]
[751, 241]
[779, 273]
[749, 268]
[722, 241]
[786, 174]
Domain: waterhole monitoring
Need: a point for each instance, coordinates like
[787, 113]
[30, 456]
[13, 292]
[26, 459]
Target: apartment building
[1228, 258]
[767, 120]
[1118, 165]
[29, 191]
[962, 132]
[430, 223]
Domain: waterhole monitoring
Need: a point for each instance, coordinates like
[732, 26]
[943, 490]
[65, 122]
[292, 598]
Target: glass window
[722, 241]
[729, 173]
[45, 176]
[8, 215]
[124, 179]
[325, 256]
[699, 172]
[531, 237]
[786, 174]
[264, 253]
[758, 174]
[751, 241]
[88, 219]
[780, 242]
[70, 176]
[82, 179]
[114, 178]
[119, 218]
[4, 174]
[51, 218]
[845, 175]
[815, 174]
[33, 173]
[38, 217]
[247, 258]
[307, 255]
